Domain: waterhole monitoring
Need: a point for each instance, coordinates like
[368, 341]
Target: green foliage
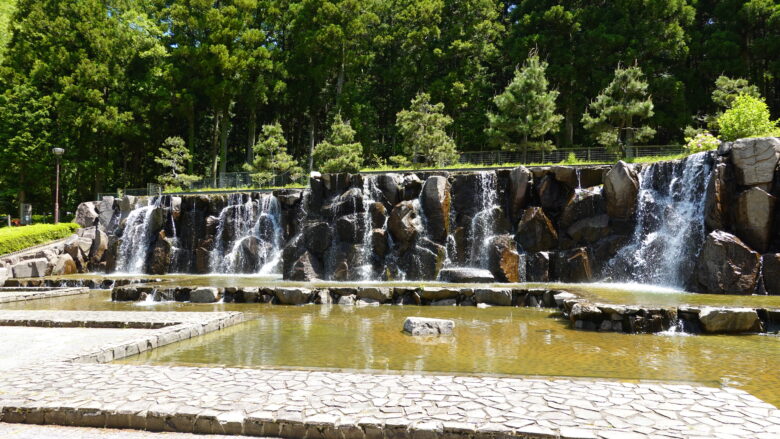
[422, 128]
[339, 152]
[728, 89]
[747, 117]
[701, 142]
[174, 157]
[615, 116]
[271, 157]
[13, 239]
[526, 110]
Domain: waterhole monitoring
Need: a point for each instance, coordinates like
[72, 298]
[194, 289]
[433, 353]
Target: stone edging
[23, 294]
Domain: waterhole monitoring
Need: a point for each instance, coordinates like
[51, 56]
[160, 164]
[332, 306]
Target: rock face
[729, 320]
[755, 160]
[573, 266]
[204, 295]
[520, 180]
[726, 265]
[435, 202]
[419, 326]
[86, 215]
[404, 224]
[621, 187]
[536, 232]
[755, 211]
[771, 269]
[503, 259]
[718, 198]
[31, 268]
[466, 275]
[64, 265]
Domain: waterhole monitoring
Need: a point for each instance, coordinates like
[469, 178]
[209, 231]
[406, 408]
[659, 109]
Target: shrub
[701, 142]
[13, 239]
[748, 117]
[339, 152]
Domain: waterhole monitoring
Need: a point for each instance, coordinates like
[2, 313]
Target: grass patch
[13, 239]
[237, 189]
[657, 158]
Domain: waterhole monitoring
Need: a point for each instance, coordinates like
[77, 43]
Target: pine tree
[614, 116]
[422, 128]
[526, 110]
[339, 152]
[271, 157]
[174, 157]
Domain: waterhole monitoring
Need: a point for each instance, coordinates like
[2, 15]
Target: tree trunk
[21, 196]
[252, 135]
[525, 150]
[568, 134]
[223, 140]
[311, 146]
[214, 147]
[340, 80]
[191, 141]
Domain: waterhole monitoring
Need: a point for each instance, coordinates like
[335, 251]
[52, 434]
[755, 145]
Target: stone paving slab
[26, 431]
[19, 295]
[317, 404]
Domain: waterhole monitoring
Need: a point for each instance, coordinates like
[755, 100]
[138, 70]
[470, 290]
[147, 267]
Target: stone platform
[31, 293]
[315, 404]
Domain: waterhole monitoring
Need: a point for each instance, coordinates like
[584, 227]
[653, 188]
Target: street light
[58, 152]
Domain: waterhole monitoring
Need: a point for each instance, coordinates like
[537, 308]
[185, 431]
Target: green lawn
[19, 238]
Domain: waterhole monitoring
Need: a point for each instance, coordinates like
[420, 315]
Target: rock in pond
[494, 296]
[420, 326]
[729, 320]
[293, 296]
[204, 295]
[466, 275]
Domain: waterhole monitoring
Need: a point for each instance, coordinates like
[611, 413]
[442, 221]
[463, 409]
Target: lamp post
[58, 152]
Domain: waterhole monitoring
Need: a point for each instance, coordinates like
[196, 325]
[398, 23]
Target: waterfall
[370, 192]
[670, 224]
[136, 239]
[249, 235]
[483, 224]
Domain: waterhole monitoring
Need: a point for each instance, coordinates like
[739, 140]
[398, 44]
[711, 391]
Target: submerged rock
[726, 265]
[293, 296]
[419, 326]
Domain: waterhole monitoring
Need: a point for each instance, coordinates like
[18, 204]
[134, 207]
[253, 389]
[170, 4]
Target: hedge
[19, 238]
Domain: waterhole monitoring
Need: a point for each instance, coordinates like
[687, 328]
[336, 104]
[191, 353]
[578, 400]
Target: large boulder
[535, 231]
[412, 187]
[379, 243]
[755, 209]
[4, 275]
[584, 204]
[466, 275]
[31, 268]
[317, 237]
[378, 215]
[589, 230]
[379, 294]
[755, 160]
[424, 261]
[106, 213]
[520, 180]
[390, 186]
[160, 257]
[770, 265]
[435, 201]
[86, 214]
[351, 228]
[726, 265]
[204, 295]
[621, 187]
[292, 296]
[553, 194]
[493, 296]
[729, 320]
[404, 224]
[98, 249]
[718, 198]
[347, 203]
[306, 267]
[421, 326]
[573, 266]
[126, 205]
[503, 259]
[63, 266]
[538, 267]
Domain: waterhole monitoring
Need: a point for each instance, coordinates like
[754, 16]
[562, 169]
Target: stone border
[8, 295]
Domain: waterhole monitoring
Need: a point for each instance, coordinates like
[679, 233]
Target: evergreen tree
[339, 152]
[614, 117]
[271, 157]
[526, 110]
[728, 89]
[173, 157]
[423, 136]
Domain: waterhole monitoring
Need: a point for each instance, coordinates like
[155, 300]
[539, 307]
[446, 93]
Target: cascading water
[370, 193]
[249, 236]
[137, 238]
[483, 223]
[670, 225]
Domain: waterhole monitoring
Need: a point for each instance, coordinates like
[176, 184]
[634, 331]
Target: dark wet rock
[719, 197]
[535, 231]
[204, 295]
[424, 261]
[552, 194]
[351, 228]
[317, 237]
[390, 185]
[435, 202]
[503, 259]
[202, 256]
[249, 251]
[584, 204]
[592, 175]
[404, 225]
[566, 175]
[729, 320]
[316, 195]
[379, 242]
[621, 187]
[726, 265]
[306, 267]
[589, 230]
[348, 203]
[466, 275]
[421, 326]
[288, 198]
[160, 257]
[412, 187]
[754, 215]
[573, 266]
[380, 294]
[378, 213]
[538, 267]
[755, 160]
[438, 293]
[520, 181]
[293, 296]
[771, 272]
